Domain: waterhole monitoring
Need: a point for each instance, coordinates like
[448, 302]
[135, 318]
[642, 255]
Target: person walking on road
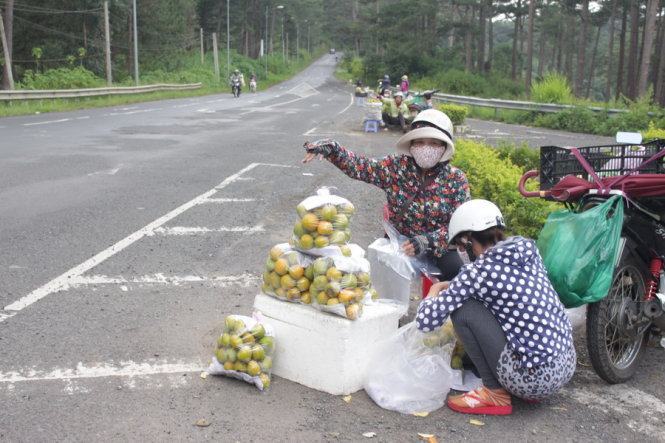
[422, 187]
[505, 312]
[404, 85]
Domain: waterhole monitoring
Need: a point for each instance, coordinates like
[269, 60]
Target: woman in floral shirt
[422, 188]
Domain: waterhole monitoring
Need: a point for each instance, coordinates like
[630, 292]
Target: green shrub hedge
[456, 113]
[495, 179]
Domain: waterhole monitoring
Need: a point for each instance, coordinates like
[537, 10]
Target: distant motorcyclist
[236, 81]
[252, 82]
[384, 84]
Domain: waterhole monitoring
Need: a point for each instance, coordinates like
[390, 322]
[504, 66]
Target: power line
[41, 10]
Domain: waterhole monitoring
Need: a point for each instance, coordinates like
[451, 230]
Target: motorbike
[235, 87]
[252, 85]
[619, 325]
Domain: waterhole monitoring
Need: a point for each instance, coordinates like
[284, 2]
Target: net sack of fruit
[341, 285]
[287, 275]
[323, 220]
[244, 351]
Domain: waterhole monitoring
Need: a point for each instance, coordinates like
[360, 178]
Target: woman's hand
[319, 148]
[436, 288]
[415, 245]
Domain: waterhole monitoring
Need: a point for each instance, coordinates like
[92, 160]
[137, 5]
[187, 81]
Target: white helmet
[430, 123]
[474, 215]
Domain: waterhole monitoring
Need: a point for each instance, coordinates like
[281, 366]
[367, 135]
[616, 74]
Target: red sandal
[482, 401]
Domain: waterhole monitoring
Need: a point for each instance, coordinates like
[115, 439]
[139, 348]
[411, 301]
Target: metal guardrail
[91, 92]
[516, 104]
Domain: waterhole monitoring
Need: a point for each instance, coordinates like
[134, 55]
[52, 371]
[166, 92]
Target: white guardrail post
[28, 94]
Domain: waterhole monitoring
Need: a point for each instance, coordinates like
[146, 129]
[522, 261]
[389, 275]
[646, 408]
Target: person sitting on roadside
[360, 90]
[395, 111]
[505, 312]
[422, 187]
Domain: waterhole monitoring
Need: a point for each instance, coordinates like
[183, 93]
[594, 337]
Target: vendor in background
[360, 90]
[506, 313]
[422, 187]
[395, 111]
[384, 84]
[404, 85]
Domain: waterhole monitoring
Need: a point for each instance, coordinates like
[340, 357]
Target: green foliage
[523, 156]
[457, 113]
[576, 119]
[61, 78]
[495, 179]
[653, 132]
[553, 88]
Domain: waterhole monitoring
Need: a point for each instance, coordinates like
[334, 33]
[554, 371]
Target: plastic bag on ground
[410, 371]
[323, 220]
[244, 351]
[579, 251]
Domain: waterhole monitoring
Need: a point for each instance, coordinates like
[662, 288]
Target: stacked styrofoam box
[324, 351]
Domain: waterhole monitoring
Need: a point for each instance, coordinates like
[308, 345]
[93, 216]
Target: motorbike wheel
[615, 350]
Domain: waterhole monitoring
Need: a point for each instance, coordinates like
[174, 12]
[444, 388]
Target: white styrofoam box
[324, 351]
[389, 272]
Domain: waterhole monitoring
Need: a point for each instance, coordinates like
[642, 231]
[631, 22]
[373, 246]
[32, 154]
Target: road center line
[63, 280]
[244, 280]
[47, 122]
[228, 200]
[347, 107]
[197, 230]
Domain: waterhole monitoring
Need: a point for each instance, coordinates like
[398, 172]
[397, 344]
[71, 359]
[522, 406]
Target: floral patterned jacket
[419, 202]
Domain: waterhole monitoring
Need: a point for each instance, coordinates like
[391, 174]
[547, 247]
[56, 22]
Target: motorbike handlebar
[521, 186]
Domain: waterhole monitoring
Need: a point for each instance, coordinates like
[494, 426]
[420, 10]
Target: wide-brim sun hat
[437, 126]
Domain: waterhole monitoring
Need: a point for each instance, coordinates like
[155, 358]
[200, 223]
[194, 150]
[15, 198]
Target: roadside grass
[278, 72]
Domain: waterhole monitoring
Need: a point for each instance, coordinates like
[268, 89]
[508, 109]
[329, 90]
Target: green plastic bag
[579, 251]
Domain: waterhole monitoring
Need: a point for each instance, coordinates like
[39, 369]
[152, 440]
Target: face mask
[427, 156]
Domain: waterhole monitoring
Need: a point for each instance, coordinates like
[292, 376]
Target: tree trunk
[622, 53]
[581, 49]
[541, 52]
[468, 40]
[647, 49]
[632, 78]
[516, 36]
[570, 47]
[610, 50]
[129, 63]
[9, 33]
[480, 61]
[592, 66]
[559, 57]
[490, 37]
[660, 77]
[529, 51]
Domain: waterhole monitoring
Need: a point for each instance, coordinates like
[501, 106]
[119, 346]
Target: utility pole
[5, 52]
[107, 45]
[297, 41]
[283, 46]
[215, 55]
[202, 52]
[136, 47]
[228, 39]
[308, 24]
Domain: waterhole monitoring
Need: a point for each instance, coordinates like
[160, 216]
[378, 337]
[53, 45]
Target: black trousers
[394, 121]
[482, 337]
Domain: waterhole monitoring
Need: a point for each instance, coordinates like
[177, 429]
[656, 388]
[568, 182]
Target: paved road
[127, 234]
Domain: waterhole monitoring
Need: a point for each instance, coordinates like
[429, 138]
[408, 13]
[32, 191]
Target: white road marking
[228, 200]
[85, 117]
[245, 179]
[206, 111]
[48, 122]
[121, 369]
[6, 315]
[62, 281]
[185, 105]
[625, 401]
[244, 280]
[310, 132]
[139, 111]
[196, 230]
[347, 107]
[308, 174]
[113, 171]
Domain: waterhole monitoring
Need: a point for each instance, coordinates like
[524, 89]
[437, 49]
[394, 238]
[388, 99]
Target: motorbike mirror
[629, 138]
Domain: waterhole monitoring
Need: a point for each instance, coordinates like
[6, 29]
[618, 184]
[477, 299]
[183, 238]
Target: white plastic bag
[244, 351]
[410, 372]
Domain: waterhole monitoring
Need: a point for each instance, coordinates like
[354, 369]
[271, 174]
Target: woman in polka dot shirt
[506, 313]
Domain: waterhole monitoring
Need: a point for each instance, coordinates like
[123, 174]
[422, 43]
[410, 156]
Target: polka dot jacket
[415, 208]
[511, 281]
